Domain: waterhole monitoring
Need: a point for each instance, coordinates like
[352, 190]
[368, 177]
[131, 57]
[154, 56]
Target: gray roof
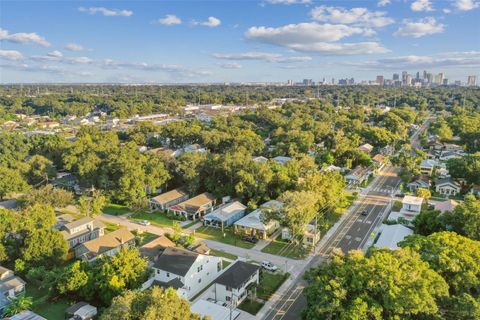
[447, 181]
[175, 260]
[26, 315]
[11, 283]
[175, 283]
[237, 274]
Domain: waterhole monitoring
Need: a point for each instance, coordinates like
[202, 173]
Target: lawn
[109, 227]
[223, 254]
[285, 249]
[156, 218]
[269, 283]
[146, 237]
[228, 237]
[115, 209]
[52, 310]
[251, 306]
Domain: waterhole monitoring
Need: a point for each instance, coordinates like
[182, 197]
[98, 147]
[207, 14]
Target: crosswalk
[383, 190]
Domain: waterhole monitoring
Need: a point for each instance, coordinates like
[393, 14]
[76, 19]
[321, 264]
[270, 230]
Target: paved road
[352, 233]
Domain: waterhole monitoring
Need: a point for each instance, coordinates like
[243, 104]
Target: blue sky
[235, 41]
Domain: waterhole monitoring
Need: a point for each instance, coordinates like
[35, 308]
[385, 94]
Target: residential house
[281, 160]
[195, 148]
[79, 231]
[447, 187]
[186, 271]
[254, 223]
[225, 215]
[391, 235]
[213, 311]
[411, 207]
[195, 207]
[445, 206]
[427, 166]
[11, 287]
[153, 249]
[260, 159]
[379, 161]
[420, 181]
[110, 244]
[475, 190]
[367, 148]
[358, 175]
[26, 315]
[311, 235]
[168, 199]
[81, 311]
[447, 155]
[232, 286]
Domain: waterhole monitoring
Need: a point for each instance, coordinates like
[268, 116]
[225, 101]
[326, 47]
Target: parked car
[400, 195]
[251, 239]
[269, 266]
[364, 213]
[144, 222]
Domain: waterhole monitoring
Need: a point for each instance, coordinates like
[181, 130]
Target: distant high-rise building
[418, 75]
[408, 80]
[351, 81]
[445, 82]
[425, 75]
[380, 80]
[429, 78]
[472, 81]
[307, 82]
[404, 75]
[290, 82]
[396, 77]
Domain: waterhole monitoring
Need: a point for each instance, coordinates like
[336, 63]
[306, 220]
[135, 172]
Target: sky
[235, 41]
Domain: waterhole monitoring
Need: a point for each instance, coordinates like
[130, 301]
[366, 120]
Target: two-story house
[233, 285]
[110, 244]
[411, 207]
[188, 272]
[81, 231]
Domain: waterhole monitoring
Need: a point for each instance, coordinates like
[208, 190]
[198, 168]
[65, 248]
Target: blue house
[225, 215]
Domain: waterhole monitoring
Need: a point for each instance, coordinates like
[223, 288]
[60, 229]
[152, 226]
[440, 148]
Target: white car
[269, 266]
[144, 222]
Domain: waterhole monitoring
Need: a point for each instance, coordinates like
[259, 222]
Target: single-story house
[445, 206]
[420, 181]
[281, 160]
[81, 311]
[427, 166]
[153, 249]
[411, 207]
[254, 224]
[391, 235]
[213, 311]
[225, 215]
[260, 159]
[368, 148]
[11, 287]
[186, 271]
[110, 244]
[195, 207]
[358, 175]
[168, 199]
[232, 286]
[447, 187]
[26, 315]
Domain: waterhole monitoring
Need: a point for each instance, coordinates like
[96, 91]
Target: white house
[213, 311]
[225, 215]
[391, 235]
[281, 160]
[420, 181]
[368, 148]
[358, 175]
[427, 166]
[411, 207]
[254, 223]
[233, 285]
[447, 187]
[11, 287]
[186, 271]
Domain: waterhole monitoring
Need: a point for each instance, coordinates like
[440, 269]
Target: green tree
[465, 218]
[156, 303]
[300, 207]
[19, 304]
[385, 285]
[93, 205]
[11, 181]
[48, 195]
[40, 170]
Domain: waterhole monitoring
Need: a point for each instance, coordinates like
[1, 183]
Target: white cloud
[23, 37]
[421, 5]
[264, 56]
[57, 56]
[441, 60]
[107, 12]
[355, 16]
[288, 2]
[420, 28]
[230, 65]
[211, 22]
[11, 55]
[74, 47]
[466, 5]
[169, 20]
[383, 3]
[446, 10]
[354, 48]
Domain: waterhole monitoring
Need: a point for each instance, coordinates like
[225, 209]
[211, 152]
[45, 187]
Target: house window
[200, 268]
[200, 280]
[168, 274]
[228, 288]
[227, 298]
[158, 271]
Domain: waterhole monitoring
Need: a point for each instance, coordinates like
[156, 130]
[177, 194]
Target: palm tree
[19, 304]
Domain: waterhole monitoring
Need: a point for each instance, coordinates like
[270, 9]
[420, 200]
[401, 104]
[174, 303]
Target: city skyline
[220, 41]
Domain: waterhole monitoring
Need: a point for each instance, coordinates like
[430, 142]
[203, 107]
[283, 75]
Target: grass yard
[285, 249]
[52, 310]
[115, 209]
[269, 283]
[228, 238]
[146, 237]
[188, 225]
[156, 218]
[251, 306]
[109, 227]
[219, 253]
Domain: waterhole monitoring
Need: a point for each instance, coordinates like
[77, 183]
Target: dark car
[400, 195]
[251, 239]
[364, 213]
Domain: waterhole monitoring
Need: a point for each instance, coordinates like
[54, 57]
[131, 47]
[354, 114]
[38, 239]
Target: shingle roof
[153, 248]
[237, 274]
[170, 196]
[109, 241]
[175, 260]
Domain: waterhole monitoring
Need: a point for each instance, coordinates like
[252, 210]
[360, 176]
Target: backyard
[156, 218]
[286, 249]
[227, 237]
[116, 209]
[52, 310]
